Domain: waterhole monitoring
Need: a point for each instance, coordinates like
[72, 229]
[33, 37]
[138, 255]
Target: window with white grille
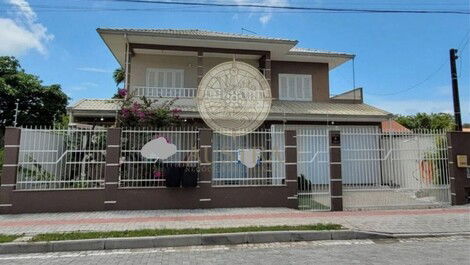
[295, 87]
[165, 78]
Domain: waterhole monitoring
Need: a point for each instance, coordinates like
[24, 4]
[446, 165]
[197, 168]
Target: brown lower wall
[113, 198]
[150, 199]
[54, 201]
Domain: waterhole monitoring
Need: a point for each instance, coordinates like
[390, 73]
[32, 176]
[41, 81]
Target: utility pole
[455, 90]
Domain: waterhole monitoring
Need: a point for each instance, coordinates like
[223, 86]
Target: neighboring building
[170, 63]
[393, 126]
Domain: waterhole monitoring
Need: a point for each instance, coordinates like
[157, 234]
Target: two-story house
[165, 63]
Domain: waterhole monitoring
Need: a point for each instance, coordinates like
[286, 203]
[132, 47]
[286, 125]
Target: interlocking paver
[445, 220]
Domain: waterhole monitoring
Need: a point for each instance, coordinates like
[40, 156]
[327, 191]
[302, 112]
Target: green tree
[427, 121]
[37, 104]
[119, 75]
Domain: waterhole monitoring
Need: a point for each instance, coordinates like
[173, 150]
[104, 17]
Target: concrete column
[291, 168]
[458, 144]
[205, 166]
[200, 67]
[111, 176]
[336, 181]
[267, 67]
[10, 168]
[126, 67]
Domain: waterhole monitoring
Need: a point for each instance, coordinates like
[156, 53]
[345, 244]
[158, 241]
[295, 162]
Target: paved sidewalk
[446, 220]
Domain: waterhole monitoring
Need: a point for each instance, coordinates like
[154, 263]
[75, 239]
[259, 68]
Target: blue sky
[402, 60]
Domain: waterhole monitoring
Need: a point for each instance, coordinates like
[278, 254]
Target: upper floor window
[295, 87]
[165, 78]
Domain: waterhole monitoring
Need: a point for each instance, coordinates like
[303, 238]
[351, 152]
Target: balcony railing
[164, 92]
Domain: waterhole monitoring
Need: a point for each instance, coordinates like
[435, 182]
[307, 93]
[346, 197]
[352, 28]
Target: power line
[413, 86]
[462, 44]
[462, 50]
[266, 8]
[216, 4]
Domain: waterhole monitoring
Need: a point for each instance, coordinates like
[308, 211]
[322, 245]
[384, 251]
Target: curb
[427, 235]
[184, 240]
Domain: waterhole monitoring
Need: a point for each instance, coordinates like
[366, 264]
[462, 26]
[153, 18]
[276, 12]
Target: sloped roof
[96, 104]
[197, 34]
[281, 49]
[205, 34]
[279, 109]
[325, 108]
[393, 126]
[308, 51]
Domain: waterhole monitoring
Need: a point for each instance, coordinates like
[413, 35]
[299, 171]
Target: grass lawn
[167, 232]
[8, 238]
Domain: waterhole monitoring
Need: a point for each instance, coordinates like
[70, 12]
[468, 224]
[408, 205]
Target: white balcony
[163, 92]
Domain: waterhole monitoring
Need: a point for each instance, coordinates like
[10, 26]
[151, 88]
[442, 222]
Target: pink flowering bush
[157, 173]
[146, 113]
[121, 93]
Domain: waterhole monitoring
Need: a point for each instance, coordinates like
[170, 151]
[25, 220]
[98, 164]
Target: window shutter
[291, 87]
[299, 87]
[283, 87]
[295, 87]
[307, 86]
[160, 79]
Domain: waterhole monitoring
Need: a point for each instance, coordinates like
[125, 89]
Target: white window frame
[296, 97]
[164, 70]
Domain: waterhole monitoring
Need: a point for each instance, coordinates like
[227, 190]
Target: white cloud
[90, 84]
[94, 70]
[22, 32]
[266, 17]
[78, 88]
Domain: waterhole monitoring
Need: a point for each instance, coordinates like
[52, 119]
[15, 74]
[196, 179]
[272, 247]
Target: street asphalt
[439, 250]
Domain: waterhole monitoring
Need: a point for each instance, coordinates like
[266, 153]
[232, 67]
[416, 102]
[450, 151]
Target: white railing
[138, 172]
[163, 92]
[269, 170]
[69, 158]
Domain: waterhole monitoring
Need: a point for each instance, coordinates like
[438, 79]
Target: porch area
[169, 71]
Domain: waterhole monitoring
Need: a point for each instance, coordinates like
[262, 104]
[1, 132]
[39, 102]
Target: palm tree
[119, 75]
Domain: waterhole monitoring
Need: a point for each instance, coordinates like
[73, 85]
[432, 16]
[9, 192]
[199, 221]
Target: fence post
[111, 176]
[10, 168]
[205, 165]
[291, 168]
[459, 144]
[336, 181]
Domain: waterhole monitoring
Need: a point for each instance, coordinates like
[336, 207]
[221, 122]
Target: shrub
[148, 113]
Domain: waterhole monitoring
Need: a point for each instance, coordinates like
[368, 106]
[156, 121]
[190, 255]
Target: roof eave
[188, 36]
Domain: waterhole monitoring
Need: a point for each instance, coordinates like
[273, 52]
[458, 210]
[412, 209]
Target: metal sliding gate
[383, 170]
[380, 170]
